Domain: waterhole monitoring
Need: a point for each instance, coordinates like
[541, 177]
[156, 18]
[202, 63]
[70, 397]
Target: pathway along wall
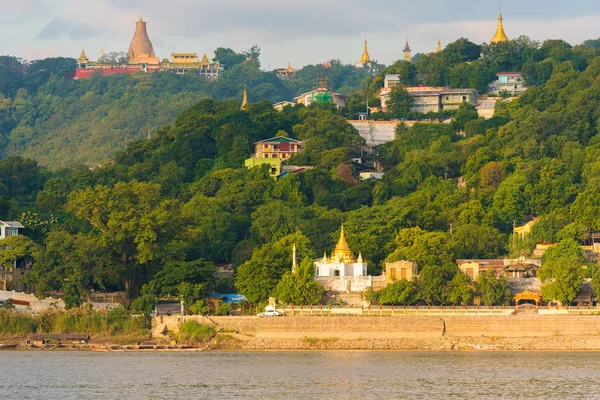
[402, 333]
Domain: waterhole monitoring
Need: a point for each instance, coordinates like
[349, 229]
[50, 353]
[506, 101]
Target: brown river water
[299, 375]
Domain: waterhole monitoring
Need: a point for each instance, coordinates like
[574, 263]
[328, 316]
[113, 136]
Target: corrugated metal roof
[12, 224]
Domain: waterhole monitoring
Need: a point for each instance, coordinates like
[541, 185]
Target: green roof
[280, 139]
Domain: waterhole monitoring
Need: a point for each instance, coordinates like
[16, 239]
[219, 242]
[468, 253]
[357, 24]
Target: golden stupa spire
[500, 35]
[141, 16]
[204, 60]
[245, 99]
[439, 46]
[365, 59]
[83, 56]
[342, 252]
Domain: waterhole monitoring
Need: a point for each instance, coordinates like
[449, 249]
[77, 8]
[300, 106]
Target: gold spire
[365, 59]
[83, 56]
[500, 35]
[205, 60]
[407, 52]
[245, 99]
[342, 252]
[439, 46]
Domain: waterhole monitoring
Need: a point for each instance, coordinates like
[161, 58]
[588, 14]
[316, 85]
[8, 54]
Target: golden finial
[365, 59]
[83, 56]
[439, 46]
[500, 35]
[342, 251]
[245, 99]
[141, 16]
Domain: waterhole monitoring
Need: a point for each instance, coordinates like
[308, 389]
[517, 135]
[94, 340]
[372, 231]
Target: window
[393, 273]
[469, 272]
[336, 272]
[8, 232]
[403, 273]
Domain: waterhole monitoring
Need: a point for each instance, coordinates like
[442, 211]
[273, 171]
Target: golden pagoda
[141, 50]
[407, 52]
[365, 59]
[342, 252]
[83, 57]
[439, 46]
[500, 35]
[245, 99]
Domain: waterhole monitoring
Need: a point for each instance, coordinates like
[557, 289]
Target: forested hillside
[60, 122]
[157, 219]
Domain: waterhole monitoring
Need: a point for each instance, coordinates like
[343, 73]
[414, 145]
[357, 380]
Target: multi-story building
[273, 152]
[429, 99]
[508, 82]
[278, 147]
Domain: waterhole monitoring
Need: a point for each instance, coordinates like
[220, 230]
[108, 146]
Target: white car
[271, 313]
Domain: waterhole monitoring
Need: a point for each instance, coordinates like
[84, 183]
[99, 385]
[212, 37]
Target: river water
[298, 375]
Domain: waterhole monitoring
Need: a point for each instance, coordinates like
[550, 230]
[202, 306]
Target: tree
[477, 241]
[14, 248]
[133, 222]
[257, 278]
[460, 290]
[493, 291]
[400, 102]
[299, 287]
[73, 264]
[561, 272]
[402, 292]
[434, 281]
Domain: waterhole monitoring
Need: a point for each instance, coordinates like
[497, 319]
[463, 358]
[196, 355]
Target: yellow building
[401, 270]
[342, 262]
[278, 147]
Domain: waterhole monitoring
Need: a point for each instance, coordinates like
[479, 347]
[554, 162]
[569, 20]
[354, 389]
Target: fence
[439, 310]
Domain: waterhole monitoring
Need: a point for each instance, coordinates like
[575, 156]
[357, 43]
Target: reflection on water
[298, 375]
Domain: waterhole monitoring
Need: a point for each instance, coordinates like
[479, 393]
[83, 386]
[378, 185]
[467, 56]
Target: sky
[300, 32]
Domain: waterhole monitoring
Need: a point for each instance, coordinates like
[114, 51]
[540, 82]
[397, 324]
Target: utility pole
[513, 239]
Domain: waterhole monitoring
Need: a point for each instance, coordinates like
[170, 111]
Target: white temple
[341, 262]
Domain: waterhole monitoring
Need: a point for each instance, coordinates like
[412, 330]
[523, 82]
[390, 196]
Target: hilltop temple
[141, 50]
[342, 262]
[142, 58]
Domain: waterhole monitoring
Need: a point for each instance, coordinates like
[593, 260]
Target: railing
[437, 310]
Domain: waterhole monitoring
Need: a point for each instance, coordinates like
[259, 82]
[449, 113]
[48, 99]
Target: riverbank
[483, 333]
[488, 333]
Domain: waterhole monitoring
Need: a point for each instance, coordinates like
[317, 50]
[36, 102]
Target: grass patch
[192, 333]
[314, 341]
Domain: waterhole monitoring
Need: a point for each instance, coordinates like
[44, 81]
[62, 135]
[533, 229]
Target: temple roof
[205, 59]
[365, 57]
[82, 56]
[500, 35]
[407, 47]
[342, 250]
[140, 46]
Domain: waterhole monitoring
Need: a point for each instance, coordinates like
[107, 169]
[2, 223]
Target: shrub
[193, 333]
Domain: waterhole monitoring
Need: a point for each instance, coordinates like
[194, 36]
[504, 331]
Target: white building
[342, 262]
[9, 228]
[508, 82]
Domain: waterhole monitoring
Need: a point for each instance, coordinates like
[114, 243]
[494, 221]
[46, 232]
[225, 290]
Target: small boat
[8, 346]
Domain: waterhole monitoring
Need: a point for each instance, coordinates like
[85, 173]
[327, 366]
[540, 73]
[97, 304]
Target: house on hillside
[273, 152]
[508, 82]
[9, 228]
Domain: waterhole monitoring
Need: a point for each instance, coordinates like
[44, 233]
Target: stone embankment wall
[530, 332]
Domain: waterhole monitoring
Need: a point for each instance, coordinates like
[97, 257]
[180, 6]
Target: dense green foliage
[156, 220]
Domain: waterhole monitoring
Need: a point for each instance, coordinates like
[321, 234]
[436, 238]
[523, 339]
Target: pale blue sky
[302, 32]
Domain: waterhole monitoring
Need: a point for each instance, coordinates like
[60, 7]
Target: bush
[192, 333]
